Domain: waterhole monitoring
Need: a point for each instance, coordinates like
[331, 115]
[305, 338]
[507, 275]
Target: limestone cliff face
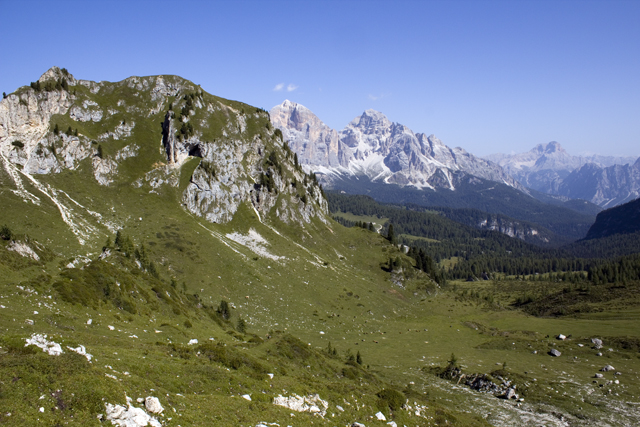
[313, 141]
[25, 127]
[373, 146]
[229, 174]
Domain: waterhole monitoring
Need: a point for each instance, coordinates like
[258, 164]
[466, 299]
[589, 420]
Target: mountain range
[372, 146]
[376, 150]
[604, 180]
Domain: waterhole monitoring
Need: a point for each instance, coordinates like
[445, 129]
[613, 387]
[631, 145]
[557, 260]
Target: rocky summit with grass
[166, 261]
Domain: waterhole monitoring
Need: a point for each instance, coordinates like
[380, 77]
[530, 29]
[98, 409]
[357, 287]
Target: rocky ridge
[606, 187]
[623, 219]
[373, 146]
[242, 159]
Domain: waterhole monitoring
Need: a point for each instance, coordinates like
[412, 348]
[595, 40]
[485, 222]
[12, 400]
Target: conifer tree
[223, 310]
[241, 326]
[391, 236]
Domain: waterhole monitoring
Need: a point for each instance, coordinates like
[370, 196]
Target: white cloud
[278, 87]
[376, 97]
[291, 87]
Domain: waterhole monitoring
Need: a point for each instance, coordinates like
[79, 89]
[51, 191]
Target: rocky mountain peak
[370, 121]
[295, 115]
[553, 147]
[55, 73]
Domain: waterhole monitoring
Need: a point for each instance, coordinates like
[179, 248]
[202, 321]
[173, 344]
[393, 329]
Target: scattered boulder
[129, 416]
[246, 397]
[598, 376]
[392, 424]
[357, 425]
[561, 337]
[49, 347]
[380, 416]
[311, 403]
[82, 351]
[555, 353]
[481, 383]
[598, 354]
[597, 342]
[510, 394]
[608, 368]
[153, 405]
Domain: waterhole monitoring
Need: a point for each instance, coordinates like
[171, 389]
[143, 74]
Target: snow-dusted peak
[373, 146]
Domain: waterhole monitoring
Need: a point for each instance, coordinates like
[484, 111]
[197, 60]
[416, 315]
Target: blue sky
[488, 76]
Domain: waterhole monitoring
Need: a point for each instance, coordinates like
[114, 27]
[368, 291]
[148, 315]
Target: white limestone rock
[153, 405]
[23, 249]
[40, 340]
[311, 403]
[81, 350]
[129, 416]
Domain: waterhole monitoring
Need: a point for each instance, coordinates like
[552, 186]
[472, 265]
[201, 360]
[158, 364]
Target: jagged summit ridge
[373, 146]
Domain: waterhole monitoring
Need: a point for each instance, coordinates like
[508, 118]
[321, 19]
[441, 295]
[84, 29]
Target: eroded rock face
[25, 118]
[229, 175]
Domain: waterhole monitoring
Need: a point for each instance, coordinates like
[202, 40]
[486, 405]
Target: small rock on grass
[555, 353]
[153, 405]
